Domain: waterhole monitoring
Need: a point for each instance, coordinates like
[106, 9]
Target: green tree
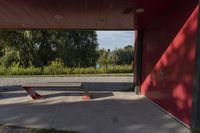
[18, 41]
[41, 47]
[9, 58]
[82, 49]
[105, 59]
[44, 44]
[123, 56]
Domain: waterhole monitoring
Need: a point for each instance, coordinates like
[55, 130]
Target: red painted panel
[168, 59]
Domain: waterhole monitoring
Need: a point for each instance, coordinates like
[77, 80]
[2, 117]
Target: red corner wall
[168, 59]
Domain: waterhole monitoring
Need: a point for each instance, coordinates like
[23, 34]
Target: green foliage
[89, 70]
[9, 58]
[123, 56]
[40, 47]
[49, 131]
[105, 58]
[18, 129]
[18, 70]
[75, 49]
[56, 67]
[196, 131]
[3, 71]
[120, 69]
[51, 52]
[82, 47]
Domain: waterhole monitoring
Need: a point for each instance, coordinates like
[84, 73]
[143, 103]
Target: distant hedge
[59, 69]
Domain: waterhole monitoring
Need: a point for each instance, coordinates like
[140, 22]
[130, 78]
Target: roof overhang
[80, 14]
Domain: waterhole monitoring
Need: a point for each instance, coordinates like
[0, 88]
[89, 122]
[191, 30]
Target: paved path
[108, 112]
[90, 83]
[21, 80]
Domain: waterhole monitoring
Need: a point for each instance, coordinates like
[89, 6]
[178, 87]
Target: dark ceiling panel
[79, 14]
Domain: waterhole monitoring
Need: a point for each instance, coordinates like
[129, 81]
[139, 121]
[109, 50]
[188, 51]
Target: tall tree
[82, 47]
[123, 56]
[41, 47]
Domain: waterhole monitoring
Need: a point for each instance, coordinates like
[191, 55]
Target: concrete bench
[73, 86]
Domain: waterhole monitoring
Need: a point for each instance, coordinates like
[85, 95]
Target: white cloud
[115, 39]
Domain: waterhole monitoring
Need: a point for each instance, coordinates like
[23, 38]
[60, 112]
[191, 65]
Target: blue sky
[115, 39]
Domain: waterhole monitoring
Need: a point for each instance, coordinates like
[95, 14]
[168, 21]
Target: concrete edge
[172, 116]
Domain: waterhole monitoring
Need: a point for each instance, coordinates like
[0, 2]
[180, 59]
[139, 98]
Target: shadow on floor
[18, 91]
[12, 92]
[94, 95]
[125, 113]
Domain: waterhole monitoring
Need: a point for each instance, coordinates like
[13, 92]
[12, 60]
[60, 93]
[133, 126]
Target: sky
[115, 39]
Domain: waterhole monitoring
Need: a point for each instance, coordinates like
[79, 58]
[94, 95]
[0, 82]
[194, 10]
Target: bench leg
[34, 95]
[86, 96]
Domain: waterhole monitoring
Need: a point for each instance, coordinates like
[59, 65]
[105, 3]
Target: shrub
[8, 59]
[120, 69]
[56, 67]
[116, 69]
[3, 70]
[89, 70]
[102, 70]
[17, 70]
[196, 131]
[67, 70]
[33, 71]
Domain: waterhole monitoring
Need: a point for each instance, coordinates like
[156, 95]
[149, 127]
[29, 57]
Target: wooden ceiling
[76, 14]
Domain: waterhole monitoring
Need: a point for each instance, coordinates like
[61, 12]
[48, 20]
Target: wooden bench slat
[53, 85]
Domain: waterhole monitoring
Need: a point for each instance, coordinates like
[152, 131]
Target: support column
[138, 61]
[195, 116]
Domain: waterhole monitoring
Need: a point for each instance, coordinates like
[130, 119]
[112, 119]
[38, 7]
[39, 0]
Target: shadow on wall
[168, 74]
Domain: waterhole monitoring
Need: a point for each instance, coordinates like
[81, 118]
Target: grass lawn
[72, 75]
[14, 129]
[196, 131]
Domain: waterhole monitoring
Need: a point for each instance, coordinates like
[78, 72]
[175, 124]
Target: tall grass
[59, 69]
[3, 71]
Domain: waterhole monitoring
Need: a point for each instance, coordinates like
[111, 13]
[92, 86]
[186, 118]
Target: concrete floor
[108, 112]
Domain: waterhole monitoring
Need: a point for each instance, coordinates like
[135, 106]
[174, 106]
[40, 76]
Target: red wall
[168, 59]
